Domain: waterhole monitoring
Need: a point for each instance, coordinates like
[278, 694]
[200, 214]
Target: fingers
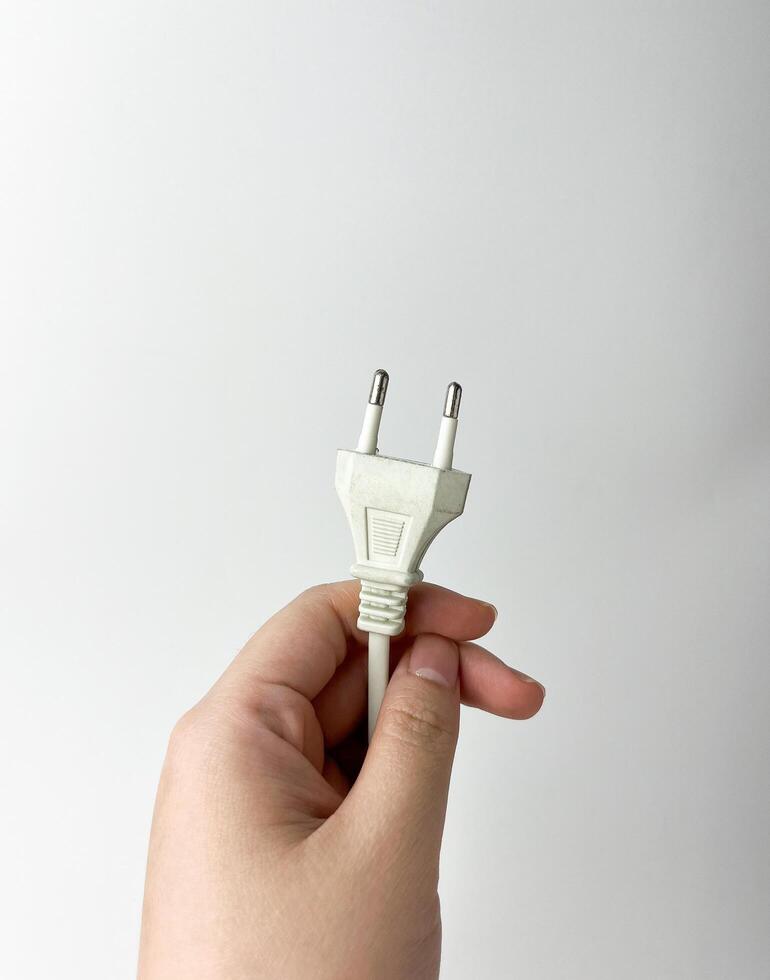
[400, 795]
[485, 682]
[341, 706]
[302, 646]
[431, 609]
[335, 777]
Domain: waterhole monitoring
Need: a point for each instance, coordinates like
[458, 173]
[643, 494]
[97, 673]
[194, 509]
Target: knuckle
[286, 713]
[315, 593]
[186, 730]
[419, 726]
[189, 740]
[311, 602]
[200, 741]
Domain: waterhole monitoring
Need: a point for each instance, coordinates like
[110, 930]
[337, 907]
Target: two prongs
[442, 458]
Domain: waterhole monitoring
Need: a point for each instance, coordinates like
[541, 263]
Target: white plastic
[379, 674]
[367, 441]
[395, 508]
[445, 445]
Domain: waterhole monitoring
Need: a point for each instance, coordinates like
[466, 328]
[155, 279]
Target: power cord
[395, 508]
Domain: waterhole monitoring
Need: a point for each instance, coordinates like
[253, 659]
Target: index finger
[302, 646]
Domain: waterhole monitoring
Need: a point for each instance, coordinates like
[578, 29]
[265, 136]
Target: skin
[280, 847]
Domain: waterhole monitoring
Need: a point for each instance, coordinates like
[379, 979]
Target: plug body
[395, 508]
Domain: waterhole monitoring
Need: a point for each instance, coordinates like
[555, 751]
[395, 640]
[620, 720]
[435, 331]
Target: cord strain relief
[382, 603]
[382, 608]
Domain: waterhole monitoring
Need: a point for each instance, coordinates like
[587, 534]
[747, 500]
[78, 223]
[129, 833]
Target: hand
[271, 855]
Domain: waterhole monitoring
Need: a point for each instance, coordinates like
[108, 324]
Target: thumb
[401, 791]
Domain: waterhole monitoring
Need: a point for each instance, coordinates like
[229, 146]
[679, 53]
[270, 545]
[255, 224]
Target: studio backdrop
[216, 220]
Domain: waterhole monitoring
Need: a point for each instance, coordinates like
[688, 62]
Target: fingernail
[436, 659]
[493, 608]
[527, 679]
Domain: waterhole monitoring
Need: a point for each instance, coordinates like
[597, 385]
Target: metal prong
[367, 441]
[379, 388]
[442, 458]
[452, 404]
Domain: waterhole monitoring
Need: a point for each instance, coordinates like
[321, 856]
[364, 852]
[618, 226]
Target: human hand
[271, 855]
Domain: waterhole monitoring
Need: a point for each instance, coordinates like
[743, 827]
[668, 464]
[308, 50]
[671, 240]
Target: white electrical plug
[395, 508]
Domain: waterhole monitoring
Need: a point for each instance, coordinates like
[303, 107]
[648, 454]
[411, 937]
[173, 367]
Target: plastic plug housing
[395, 508]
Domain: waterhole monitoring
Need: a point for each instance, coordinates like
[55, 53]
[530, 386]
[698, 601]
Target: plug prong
[452, 403]
[445, 445]
[379, 387]
[367, 441]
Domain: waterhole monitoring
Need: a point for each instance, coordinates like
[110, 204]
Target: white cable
[395, 509]
[379, 674]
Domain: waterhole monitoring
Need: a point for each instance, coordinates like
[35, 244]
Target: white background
[215, 221]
